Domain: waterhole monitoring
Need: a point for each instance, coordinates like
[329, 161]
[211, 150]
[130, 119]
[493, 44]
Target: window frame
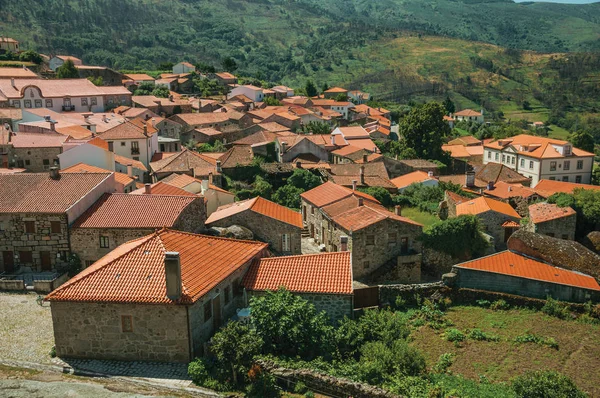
[370, 240]
[208, 312]
[126, 323]
[53, 225]
[567, 165]
[553, 165]
[29, 227]
[579, 165]
[104, 242]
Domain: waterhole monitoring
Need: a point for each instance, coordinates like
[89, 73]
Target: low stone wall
[323, 383]
[12, 284]
[48, 286]
[389, 293]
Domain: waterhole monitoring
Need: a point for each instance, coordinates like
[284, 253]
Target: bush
[429, 314]
[379, 193]
[379, 361]
[289, 196]
[556, 309]
[304, 179]
[532, 338]
[262, 384]
[446, 360]
[545, 384]
[454, 335]
[458, 237]
[499, 305]
[479, 335]
[206, 373]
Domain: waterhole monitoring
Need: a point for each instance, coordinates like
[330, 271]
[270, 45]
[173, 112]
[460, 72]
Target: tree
[304, 179]
[311, 89]
[459, 237]
[31, 56]
[229, 64]
[583, 140]
[341, 97]
[324, 87]
[161, 91]
[289, 196]
[262, 188]
[144, 89]
[596, 175]
[235, 345]
[545, 384]
[381, 194]
[205, 68]
[67, 70]
[424, 131]
[96, 81]
[586, 203]
[290, 325]
[166, 66]
[272, 101]
[449, 105]
[316, 127]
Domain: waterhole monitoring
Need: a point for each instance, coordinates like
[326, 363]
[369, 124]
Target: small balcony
[68, 108]
[135, 151]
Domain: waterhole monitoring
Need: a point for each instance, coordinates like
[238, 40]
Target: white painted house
[133, 139]
[254, 93]
[541, 158]
[469, 115]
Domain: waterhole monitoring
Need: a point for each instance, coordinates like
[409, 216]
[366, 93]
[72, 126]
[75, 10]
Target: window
[30, 227]
[312, 210]
[552, 178]
[49, 103]
[27, 103]
[496, 156]
[26, 257]
[122, 143]
[88, 263]
[111, 146]
[531, 164]
[55, 227]
[126, 323]
[94, 101]
[565, 178]
[553, 166]
[489, 155]
[136, 158]
[1, 226]
[404, 245]
[392, 238]
[565, 237]
[104, 242]
[578, 179]
[567, 165]
[38, 103]
[285, 243]
[46, 162]
[366, 265]
[512, 160]
[567, 150]
[84, 102]
[207, 310]
[503, 158]
[27, 162]
[370, 240]
[227, 294]
[579, 164]
[522, 162]
[16, 103]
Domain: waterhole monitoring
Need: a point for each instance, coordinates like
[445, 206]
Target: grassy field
[577, 354]
[427, 219]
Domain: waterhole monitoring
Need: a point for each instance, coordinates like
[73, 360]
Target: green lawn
[427, 219]
[577, 355]
[558, 133]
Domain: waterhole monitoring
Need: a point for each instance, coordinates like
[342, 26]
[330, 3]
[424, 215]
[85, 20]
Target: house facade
[183, 67]
[551, 220]
[256, 94]
[58, 60]
[136, 139]
[541, 158]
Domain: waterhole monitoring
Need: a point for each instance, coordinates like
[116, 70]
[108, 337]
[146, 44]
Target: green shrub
[545, 384]
[533, 338]
[454, 335]
[458, 237]
[379, 360]
[499, 305]
[206, 373]
[556, 309]
[52, 352]
[444, 362]
[262, 384]
[479, 335]
[429, 314]
[483, 303]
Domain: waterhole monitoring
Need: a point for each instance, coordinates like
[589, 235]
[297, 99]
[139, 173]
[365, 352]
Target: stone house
[183, 67]
[36, 152]
[164, 107]
[289, 147]
[187, 162]
[337, 217]
[36, 211]
[551, 220]
[323, 279]
[58, 60]
[117, 218]
[270, 222]
[499, 219]
[157, 298]
[398, 168]
[109, 76]
[216, 120]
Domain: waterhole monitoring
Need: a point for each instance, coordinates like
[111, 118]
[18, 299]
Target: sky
[562, 1]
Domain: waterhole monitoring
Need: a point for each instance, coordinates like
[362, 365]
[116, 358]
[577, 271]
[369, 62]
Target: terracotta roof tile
[467, 112]
[326, 273]
[505, 190]
[510, 224]
[238, 155]
[353, 169]
[329, 192]
[466, 140]
[35, 140]
[411, 178]
[514, 264]
[183, 162]
[534, 146]
[130, 130]
[542, 212]
[86, 168]
[122, 160]
[38, 193]
[163, 188]
[482, 205]
[368, 181]
[134, 211]
[261, 206]
[547, 188]
[363, 216]
[135, 271]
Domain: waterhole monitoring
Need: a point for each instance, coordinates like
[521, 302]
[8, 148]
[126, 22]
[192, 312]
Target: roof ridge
[169, 230]
[304, 255]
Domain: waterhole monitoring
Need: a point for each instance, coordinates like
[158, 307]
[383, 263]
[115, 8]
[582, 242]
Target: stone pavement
[309, 246]
[172, 374]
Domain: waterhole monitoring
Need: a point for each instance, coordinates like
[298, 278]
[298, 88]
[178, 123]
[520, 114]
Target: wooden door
[46, 261]
[8, 262]
[216, 307]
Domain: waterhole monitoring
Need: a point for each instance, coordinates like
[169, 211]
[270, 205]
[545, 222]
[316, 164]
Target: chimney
[354, 185]
[361, 202]
[490, 185]
[173, 275]
[145, 129]
[210, 177]
[12, 83]
[283, 147]
[52, 125]
[332, 139]
[398, 210]
[130, 170]
[54, 173]
[298, 164]
[362, 175]
[148, 189]
[365, 158]
[204, 186]
[470, 180]
[343, 243]
[104, 119]
[509, 188]
[430, 174]
[218, 167]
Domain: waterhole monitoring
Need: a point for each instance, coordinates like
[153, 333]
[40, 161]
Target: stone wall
[94, 330]
[389, 293]
[563, 228]
[85, 242]
[336, 306]
[492, 222]
[33, 159]
[192, 218]
[266, 229]
[14, 239]
[313, 219]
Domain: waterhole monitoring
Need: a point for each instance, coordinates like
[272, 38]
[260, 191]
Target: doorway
[46, 261]
[216, 308]
[8, 262]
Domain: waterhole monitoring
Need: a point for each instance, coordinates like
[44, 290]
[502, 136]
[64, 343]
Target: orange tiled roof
[369, 181]
[326, 273]
[347, 150]
[134, 211]
[505, 190]
[510, 224]
[125, 161]
[183, 161]
[261, 206]
[38, 193]
[86, 168]
[329, 192]
[130, 130]
[18, 73]
[514, 264]
[482, 205]
[363, 216]
[336, 90]
[542, 212]
[180, 180]
[135, 271]
[139, 76]
[467, 112]
[466, 140]
[411, 178]
[162, 188]
[535, 146]
[237, 155]
[38, 140]
[547, 188]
